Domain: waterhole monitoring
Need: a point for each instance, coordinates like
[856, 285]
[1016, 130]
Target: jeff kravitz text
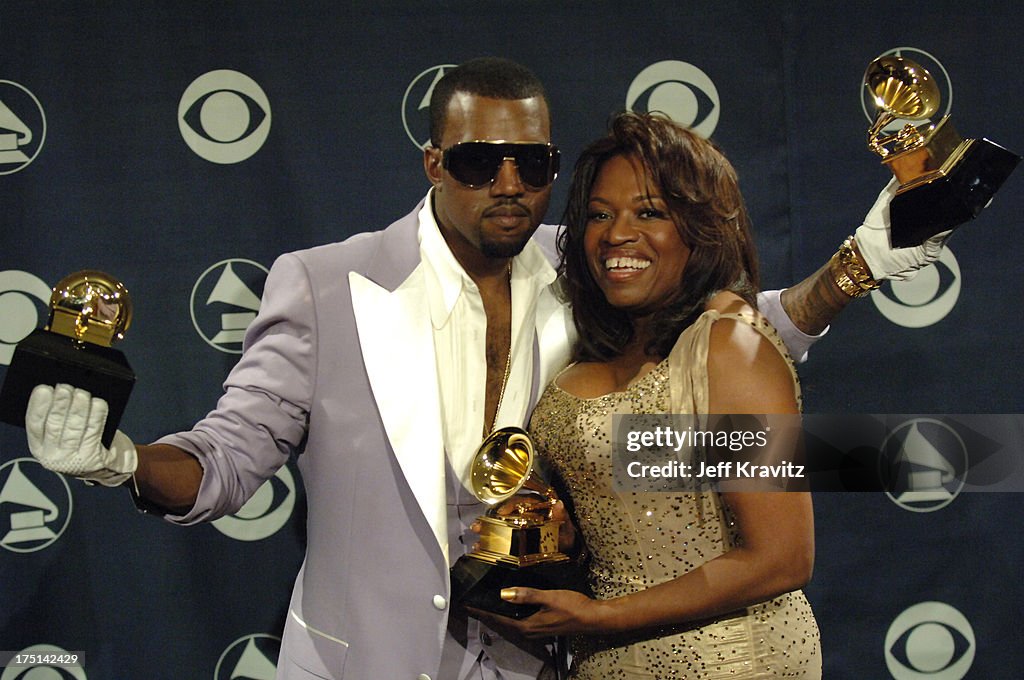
[722, 470]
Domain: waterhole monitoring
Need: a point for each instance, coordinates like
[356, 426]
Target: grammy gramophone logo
[923, 464]
[35, 506]
[22, 127]
[253, 656]
[416, 104]
[225, 300]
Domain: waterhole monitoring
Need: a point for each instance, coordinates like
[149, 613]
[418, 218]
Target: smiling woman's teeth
[626, 263]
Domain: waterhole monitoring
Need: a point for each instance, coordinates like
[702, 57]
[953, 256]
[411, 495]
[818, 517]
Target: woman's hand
[562, 612]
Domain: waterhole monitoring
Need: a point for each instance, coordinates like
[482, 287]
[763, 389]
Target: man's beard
[503, 249]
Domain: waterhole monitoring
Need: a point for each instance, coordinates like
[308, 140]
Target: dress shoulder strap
[688, 360]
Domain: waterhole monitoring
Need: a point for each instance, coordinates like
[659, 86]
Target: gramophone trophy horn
[502, 467]
[517, 548]
[945, 180]
[89, 311]
[901, 90]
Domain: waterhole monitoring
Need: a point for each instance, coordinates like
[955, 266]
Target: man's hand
[884, 261]
[65, 426]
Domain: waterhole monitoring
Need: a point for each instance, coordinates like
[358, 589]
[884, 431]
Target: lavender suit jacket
[340, 365]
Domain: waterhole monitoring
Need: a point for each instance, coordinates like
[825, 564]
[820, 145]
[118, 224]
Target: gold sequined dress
[637, 540]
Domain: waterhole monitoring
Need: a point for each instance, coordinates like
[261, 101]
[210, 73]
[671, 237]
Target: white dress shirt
[460, 338]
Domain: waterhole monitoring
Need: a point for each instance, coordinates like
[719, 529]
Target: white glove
[884, 261]
[65, 426]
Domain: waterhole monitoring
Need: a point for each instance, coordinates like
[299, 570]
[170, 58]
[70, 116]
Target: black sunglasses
[476, 164]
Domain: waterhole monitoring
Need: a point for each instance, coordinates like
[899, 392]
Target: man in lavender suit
[383, 361]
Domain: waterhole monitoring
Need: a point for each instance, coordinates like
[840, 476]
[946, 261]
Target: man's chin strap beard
[502, 250]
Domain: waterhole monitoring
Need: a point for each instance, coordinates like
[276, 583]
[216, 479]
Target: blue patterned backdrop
[183, 145]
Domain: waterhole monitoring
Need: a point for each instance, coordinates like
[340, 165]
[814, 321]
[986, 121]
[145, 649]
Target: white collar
[448, 278]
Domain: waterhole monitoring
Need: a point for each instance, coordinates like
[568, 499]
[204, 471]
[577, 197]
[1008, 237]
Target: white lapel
[398, 352]
[555, 334]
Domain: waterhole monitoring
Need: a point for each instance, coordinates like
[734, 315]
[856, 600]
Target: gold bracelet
[850, 274]
[855, 266]
[843, 280]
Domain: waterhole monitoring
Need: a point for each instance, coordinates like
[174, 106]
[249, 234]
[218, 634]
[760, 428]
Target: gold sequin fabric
[637, 540]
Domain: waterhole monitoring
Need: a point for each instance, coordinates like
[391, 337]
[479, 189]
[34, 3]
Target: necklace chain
[504, 382]
[508, 366]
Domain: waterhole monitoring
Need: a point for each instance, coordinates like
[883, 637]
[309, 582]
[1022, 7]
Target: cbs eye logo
[24, 297]
[265, 513]
[925, 299]
[679, 90]
[930, 640]
[224, 116]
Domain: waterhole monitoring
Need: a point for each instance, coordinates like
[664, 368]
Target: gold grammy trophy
[517, 546]
[945, 180]
[89, 311]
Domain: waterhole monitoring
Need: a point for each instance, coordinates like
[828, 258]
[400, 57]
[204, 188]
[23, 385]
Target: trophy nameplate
[518, 548]
[89, 310]
[945, 180]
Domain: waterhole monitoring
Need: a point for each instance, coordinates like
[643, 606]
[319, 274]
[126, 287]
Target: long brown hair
[701, 189]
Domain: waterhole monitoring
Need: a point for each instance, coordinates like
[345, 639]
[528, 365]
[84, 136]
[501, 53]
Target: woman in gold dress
[661, 271]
